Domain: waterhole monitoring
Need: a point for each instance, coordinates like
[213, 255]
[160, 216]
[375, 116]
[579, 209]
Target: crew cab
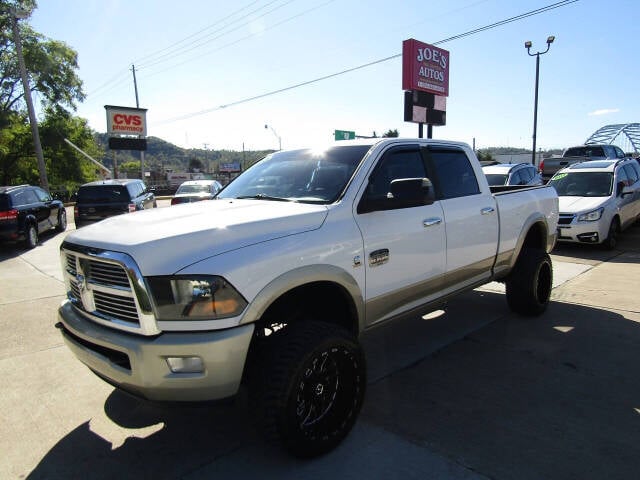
[272, 284]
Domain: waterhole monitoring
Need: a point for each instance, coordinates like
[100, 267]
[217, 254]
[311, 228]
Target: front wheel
[308, 387]
[529, 284]
[612, 237]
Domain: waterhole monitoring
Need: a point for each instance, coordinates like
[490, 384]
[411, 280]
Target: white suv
[512, 174]
[598, 200]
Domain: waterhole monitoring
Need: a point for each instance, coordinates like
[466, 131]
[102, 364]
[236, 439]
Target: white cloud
[603, 111]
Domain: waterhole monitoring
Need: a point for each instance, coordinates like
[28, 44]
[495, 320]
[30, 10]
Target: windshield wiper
[262, 196]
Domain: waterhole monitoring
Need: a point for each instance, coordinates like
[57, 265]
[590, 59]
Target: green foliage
[484, 155]
[391, 133]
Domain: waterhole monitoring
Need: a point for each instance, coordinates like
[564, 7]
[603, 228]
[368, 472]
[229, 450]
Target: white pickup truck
[271, 284]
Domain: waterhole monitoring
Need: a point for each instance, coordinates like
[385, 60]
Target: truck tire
[31, 239]
[307, 387]
[529, 284]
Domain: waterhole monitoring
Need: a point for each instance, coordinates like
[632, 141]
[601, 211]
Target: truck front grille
[101, 286]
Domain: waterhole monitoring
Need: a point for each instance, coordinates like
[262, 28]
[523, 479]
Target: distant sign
[126, 121]
[425, 68]
[344, 135]
[127, 143]
[229, 167]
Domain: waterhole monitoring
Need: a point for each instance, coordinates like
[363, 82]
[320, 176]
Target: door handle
[487, 210]
[430, 222]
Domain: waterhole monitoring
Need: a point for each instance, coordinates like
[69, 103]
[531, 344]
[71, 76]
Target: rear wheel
[529, 285]
[307, 387]
[32, 236]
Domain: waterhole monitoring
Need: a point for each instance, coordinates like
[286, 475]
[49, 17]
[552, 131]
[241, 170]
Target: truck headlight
[195, 297]
[591, 216]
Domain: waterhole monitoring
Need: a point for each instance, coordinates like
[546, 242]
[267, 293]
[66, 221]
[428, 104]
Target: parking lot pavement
[474, 392]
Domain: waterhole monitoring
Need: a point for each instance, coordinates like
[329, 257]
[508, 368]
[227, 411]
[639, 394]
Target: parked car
[581, 153]
[196, 190]
[512, 174]
[598, 200]
[99, 200]
[26, 211]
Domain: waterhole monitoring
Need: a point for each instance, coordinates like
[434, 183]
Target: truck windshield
[299, 175]
[583, 184]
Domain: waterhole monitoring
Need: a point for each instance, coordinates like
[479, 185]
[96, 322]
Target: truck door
[470, 217]
[403, 247]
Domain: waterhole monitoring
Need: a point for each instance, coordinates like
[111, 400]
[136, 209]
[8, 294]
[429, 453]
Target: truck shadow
[507, 397]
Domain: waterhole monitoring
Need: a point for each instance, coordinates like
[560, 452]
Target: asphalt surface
[475, 392]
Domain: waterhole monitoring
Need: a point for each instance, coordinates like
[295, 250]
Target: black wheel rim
[317, 390]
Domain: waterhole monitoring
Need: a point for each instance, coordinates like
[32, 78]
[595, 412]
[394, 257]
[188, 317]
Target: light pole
[33, 122]
[528, 45]
[276, 134]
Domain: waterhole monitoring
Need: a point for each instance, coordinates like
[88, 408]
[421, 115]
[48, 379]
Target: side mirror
[411, 192]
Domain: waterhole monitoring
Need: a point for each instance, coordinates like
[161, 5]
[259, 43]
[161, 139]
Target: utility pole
[135, 87]
[33, 122]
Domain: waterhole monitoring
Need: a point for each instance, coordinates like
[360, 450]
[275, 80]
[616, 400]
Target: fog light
[591, 237]
[185, 364]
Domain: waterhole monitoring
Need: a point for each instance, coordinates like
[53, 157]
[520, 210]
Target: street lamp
[276, 134]
[528, 45]
[33, 122]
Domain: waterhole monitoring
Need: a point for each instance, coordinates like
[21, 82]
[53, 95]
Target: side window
[619, 152]
[622, 177]
[631, 173]
[42, 195]
[453, 174]
[395, 164]
[29, 196]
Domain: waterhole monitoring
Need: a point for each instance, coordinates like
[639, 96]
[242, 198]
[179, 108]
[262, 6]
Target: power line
[531, 13]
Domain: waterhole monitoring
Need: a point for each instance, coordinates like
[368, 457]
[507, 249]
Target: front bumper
[583, 232]
[138, 364]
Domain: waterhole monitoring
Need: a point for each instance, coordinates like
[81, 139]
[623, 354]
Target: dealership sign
[425, 68]
[126, 121]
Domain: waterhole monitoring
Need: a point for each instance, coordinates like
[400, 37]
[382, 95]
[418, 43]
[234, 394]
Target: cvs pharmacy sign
[126, 121]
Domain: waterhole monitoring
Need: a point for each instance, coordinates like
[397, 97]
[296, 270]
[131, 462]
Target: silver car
[512, 174]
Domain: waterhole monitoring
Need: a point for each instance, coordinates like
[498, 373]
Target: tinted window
[587, 151]
[5, 202]
[394, 165]
[41, 194]
[631, 174]
[622, 177]
[24, 196]
[453, 174]
[527, 174]
[619, 153]
[135, 189]
[102, 194]
[496, 179]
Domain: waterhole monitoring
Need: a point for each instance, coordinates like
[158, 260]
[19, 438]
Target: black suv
[99, 200]
[26, 211]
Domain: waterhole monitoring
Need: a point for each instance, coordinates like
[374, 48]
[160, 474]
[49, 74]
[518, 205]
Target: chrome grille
[100, 284]
[117, 306]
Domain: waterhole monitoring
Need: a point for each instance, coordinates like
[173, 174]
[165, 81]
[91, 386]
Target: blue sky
[588, 79]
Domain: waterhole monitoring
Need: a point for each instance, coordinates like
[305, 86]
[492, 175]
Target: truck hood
[580, 204]
[165, 240]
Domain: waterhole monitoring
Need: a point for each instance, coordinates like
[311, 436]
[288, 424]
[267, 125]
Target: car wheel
[32, 236]
[529, 285]
[612, 237]
[307, 387]
[62, 220]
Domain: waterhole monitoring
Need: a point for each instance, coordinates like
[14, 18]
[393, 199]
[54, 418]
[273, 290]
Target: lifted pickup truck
[581, 153]
[271, 284]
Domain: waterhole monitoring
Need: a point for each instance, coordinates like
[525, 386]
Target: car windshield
[583, 184]
[193, 189]
[309, 175]
[103, 194]
[496, 179]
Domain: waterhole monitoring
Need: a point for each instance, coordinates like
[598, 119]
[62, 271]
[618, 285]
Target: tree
[391, 133]
[51, 65]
